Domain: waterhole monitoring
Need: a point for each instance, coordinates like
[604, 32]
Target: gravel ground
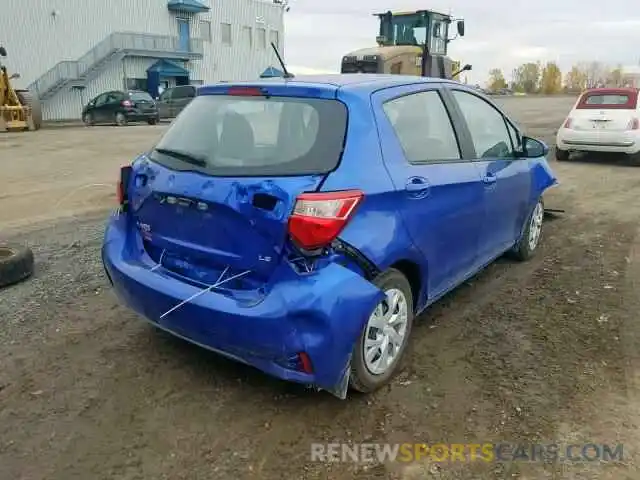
[540, 352]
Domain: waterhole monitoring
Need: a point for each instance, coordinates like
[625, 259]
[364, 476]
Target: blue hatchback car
[300, 225]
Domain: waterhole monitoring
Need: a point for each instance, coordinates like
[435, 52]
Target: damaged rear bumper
[320, 314]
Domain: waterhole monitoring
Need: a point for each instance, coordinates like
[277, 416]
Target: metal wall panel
[67, 103]
[40, 33]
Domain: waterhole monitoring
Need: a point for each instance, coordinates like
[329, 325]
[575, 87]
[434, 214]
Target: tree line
[547, 78]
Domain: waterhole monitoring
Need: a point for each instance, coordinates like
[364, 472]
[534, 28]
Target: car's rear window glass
[255, 136]
[607, 100]
[140, 96]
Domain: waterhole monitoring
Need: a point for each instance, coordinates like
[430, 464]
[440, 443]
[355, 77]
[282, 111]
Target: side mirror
[3, 52]
[460, 26]
[15, 75]
[532, 148]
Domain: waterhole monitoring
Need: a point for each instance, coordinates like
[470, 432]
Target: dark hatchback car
[121, 107]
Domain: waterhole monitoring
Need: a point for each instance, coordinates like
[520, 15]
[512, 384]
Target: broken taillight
[568, 122]
[123, 182]
[318, 218]
[634, 124]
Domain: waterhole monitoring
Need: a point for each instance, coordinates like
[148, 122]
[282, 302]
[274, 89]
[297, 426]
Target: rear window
[140, 96]
[255, 136]
[609, 100]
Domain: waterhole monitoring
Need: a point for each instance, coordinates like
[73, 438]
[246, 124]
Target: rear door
[506, 179]
[439, 191]
[180, 98]
[217, 190]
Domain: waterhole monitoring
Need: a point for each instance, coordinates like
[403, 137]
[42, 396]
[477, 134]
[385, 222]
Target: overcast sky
[499, 33]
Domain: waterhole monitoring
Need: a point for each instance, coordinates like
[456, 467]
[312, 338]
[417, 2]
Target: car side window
[117, 97]
[100, 100]
[423, 127]
[183, 92]
[165, 96]
[487, 126]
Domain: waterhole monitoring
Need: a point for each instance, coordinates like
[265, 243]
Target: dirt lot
[542, 352]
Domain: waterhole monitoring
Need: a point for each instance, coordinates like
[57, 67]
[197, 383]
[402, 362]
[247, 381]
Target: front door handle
[417, 185]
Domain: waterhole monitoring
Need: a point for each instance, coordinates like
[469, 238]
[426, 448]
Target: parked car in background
[120, 107]
[301, 225]
[602, 120]
[173, 100]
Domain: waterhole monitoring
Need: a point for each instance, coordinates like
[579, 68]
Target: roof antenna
[284, 68]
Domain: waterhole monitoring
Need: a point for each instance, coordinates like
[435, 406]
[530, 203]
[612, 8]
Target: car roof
[612, 90]
[347, 81]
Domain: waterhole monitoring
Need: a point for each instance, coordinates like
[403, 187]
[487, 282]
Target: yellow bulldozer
[409, 43]
[19, 109]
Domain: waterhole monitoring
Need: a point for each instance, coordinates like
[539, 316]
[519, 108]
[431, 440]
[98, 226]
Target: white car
[602, 120]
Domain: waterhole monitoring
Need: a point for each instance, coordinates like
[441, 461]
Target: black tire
[523, 251]
[562, 155]
[28, 98]
[361, 378]
[16, 264]
[634, 159]
[88, 120]
[121, 119]
[152, 121]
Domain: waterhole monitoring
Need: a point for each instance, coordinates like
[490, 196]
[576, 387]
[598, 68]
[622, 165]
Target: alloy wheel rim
[535, 228]
[385, 332]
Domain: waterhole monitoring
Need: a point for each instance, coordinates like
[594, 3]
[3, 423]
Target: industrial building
[69, 51]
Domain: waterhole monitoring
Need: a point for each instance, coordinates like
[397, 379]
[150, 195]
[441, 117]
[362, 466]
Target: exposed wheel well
[412, 271]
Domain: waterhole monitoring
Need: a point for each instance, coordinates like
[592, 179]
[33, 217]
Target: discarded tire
[16, 264]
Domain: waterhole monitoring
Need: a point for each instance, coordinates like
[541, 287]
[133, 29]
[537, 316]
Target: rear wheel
[152, 121]
[121, 119]
[562, 155]
[384, 338]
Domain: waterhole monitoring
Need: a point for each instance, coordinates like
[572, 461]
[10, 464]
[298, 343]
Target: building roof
[271, 72]
[168, 69]
[191, 6]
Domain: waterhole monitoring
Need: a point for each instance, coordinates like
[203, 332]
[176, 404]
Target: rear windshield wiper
[200, 161]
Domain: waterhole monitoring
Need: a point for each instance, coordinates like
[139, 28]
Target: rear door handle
[417, 185]
[489, 179]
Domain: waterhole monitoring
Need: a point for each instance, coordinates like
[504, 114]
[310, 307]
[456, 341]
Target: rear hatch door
[217, 190]
[142, 101]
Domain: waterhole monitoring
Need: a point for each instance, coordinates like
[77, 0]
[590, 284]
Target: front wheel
[121, 119]
[88, 120]
[634, 159]
[528, 243]
[384, 338]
